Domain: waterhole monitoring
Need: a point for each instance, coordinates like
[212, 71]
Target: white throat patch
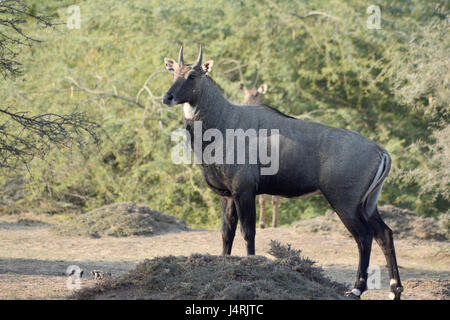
[189, 111]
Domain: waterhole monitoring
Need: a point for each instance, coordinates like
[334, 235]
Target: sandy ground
[33, 261]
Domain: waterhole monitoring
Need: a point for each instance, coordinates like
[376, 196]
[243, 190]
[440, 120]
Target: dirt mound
[200, 276]
[120, 220]
[404, 223]
[438, 289]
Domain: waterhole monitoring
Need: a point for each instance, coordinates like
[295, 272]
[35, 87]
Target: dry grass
[203, 276]
[439, 289]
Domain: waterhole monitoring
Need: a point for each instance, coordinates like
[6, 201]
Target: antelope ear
[171, 64]
[242, 86]
[207, 66]
[262, 89]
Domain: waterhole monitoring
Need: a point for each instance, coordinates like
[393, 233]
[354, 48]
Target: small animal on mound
[100, 275]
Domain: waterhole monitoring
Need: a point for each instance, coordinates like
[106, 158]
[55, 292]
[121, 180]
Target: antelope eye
[191, 77]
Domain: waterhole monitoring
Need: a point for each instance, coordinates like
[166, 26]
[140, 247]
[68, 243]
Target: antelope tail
[370, 198]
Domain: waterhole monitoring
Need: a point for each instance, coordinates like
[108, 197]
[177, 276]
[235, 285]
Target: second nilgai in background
[253, 97]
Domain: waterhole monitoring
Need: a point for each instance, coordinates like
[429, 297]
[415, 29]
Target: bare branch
[104, 94]
[312, 13]
[23, 137]
[14, 14]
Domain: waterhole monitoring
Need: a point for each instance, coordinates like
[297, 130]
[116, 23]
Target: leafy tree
[23, 136]
[420, 79]
[321, 63]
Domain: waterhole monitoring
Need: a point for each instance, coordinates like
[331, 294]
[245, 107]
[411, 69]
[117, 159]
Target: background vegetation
[319, 59]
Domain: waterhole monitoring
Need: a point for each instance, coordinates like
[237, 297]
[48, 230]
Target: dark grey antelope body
[346, 168]
[253, 97]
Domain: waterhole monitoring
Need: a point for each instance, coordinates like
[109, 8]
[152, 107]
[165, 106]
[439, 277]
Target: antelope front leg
[246, 211]
[229, 223]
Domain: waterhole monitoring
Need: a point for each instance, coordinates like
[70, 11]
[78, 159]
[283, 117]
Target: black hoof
[396, 293]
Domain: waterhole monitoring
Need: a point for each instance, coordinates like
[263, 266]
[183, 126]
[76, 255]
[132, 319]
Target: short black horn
[180, 57]
[199, 59]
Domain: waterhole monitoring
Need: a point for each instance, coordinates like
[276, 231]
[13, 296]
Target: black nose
[167, 99]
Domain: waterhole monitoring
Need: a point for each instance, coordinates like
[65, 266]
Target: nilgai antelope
[253, 97]
[348, 169]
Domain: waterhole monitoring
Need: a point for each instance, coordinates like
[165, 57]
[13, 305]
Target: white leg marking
[391, 296]
[393, 282]
[356, 292]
